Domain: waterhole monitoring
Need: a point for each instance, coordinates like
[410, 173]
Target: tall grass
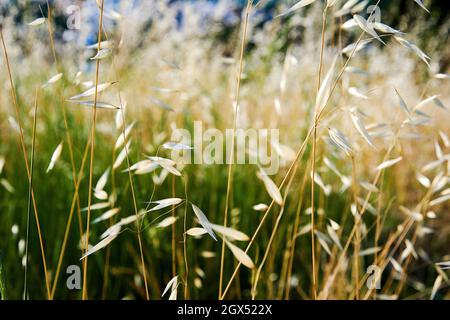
[364, 154]
[2, 282]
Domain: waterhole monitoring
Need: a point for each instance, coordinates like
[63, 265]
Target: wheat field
[95, 204]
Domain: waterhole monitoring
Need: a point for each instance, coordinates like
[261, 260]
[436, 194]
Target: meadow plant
[347, 198]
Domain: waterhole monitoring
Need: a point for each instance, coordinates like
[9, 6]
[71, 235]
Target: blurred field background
[171, 63]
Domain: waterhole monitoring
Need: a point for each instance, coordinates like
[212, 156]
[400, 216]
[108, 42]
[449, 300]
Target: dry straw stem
[91, 165]
[235, 116]
[25, 156]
